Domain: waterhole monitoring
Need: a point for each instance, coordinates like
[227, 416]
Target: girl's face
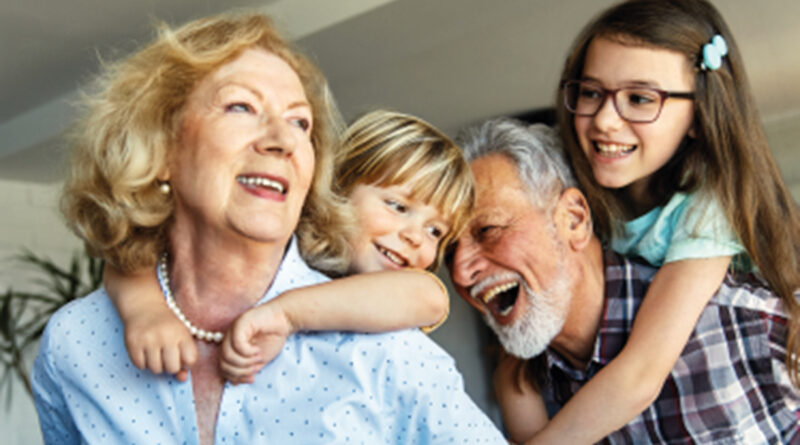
[627, 154]
[394, 230]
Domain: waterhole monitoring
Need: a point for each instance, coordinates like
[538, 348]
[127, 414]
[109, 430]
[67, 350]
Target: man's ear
[574, 219]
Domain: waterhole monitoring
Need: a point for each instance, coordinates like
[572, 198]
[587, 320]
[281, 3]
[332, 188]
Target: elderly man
[530, 263]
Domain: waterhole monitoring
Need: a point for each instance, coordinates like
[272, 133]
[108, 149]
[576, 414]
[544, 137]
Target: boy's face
[394, 230]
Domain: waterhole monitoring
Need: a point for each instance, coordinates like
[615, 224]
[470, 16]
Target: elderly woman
[213, 144]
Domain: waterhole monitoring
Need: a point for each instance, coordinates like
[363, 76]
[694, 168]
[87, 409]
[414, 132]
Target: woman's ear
[574, 219]
[163, 175]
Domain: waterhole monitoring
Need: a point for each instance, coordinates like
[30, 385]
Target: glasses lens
[583, 98]
[638, 104]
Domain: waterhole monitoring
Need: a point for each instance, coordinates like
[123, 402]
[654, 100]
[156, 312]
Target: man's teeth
[258, 181]
[495, 291]
[392, 256]
[613, 149]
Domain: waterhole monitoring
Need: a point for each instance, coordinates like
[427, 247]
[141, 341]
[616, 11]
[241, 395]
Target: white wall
[783, 133]
[29, 220]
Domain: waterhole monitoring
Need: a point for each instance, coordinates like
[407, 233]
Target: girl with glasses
[663, 133]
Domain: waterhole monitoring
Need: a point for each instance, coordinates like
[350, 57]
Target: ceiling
[452, 62]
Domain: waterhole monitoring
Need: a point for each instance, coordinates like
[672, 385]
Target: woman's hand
[254, 339]
[158, 341]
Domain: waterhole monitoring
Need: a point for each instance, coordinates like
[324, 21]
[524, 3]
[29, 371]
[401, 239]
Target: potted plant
[24, 314]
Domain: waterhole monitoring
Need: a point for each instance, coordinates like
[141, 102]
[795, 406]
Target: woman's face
[623, 153]
[244, 161]
[394, 230]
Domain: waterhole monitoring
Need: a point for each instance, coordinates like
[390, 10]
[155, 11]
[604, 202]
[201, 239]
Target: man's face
[510, 263]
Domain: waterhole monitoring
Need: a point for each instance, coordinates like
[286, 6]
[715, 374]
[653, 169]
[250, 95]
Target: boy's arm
[154, 337]
[633, 379]
[521, 404]
[371, 302]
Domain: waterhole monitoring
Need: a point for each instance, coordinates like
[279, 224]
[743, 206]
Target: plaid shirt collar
[732, 388]
[626, 283]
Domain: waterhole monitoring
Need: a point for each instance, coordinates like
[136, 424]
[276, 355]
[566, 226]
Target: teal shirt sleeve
[687, 227]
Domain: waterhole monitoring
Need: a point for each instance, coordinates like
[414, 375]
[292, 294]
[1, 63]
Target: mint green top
[688, 226]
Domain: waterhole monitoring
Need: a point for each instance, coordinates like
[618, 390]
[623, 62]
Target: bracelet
[433, 327]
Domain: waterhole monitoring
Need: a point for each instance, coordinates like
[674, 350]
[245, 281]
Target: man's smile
[499, 294]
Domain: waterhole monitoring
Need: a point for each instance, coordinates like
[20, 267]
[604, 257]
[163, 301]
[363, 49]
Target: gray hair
[535, 150]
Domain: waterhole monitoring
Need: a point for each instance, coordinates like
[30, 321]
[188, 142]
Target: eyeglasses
[633, 104]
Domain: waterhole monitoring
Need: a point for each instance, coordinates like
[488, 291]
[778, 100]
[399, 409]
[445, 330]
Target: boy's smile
[394, 230]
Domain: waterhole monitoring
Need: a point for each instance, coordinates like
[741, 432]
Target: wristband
[433, 327]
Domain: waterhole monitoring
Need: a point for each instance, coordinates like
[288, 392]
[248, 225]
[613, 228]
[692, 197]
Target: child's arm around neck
[633, 379]
[369, 302]
[155, 338]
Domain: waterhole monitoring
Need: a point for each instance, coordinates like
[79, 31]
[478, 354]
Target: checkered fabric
[730, 384]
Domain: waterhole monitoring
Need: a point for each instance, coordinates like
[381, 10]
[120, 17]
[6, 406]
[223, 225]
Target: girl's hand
[158, 341]
[524, 412]
[253, 340]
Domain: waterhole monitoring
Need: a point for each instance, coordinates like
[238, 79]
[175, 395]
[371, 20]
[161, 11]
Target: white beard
[546, 312]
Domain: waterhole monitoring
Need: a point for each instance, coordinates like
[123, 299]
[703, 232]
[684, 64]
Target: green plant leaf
[6, 323]
[24, 315]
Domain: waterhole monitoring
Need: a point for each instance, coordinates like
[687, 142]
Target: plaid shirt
[730, 384]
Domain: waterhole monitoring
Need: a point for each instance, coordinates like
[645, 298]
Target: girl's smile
[626, 154]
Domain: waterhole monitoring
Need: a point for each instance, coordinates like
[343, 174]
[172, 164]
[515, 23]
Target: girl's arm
[521, 404]
[154, 337]
[372, 302]
[633, 379]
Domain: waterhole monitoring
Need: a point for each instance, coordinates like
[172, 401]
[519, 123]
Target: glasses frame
[663, 94]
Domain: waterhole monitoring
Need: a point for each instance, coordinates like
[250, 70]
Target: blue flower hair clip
[713, 53]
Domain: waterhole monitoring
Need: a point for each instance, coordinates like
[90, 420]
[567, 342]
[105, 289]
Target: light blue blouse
[338, 388]
[688, 226]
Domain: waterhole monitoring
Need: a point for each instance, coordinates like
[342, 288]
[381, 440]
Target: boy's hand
[158, 341]
[253, 340]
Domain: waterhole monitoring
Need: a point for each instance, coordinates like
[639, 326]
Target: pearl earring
[164, 188]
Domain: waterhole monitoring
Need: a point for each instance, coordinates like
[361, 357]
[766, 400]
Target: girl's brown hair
[130, 124]
[729, 158]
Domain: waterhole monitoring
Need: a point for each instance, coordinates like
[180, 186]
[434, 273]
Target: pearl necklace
[202, 334]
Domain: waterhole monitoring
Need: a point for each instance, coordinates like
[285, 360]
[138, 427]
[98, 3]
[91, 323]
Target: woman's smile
[244, 161]
[264, 186]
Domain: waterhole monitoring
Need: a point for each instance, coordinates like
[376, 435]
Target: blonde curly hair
[387, 148]
[122, 144]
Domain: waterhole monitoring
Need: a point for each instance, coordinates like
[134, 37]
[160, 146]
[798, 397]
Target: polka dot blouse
[342, 388]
